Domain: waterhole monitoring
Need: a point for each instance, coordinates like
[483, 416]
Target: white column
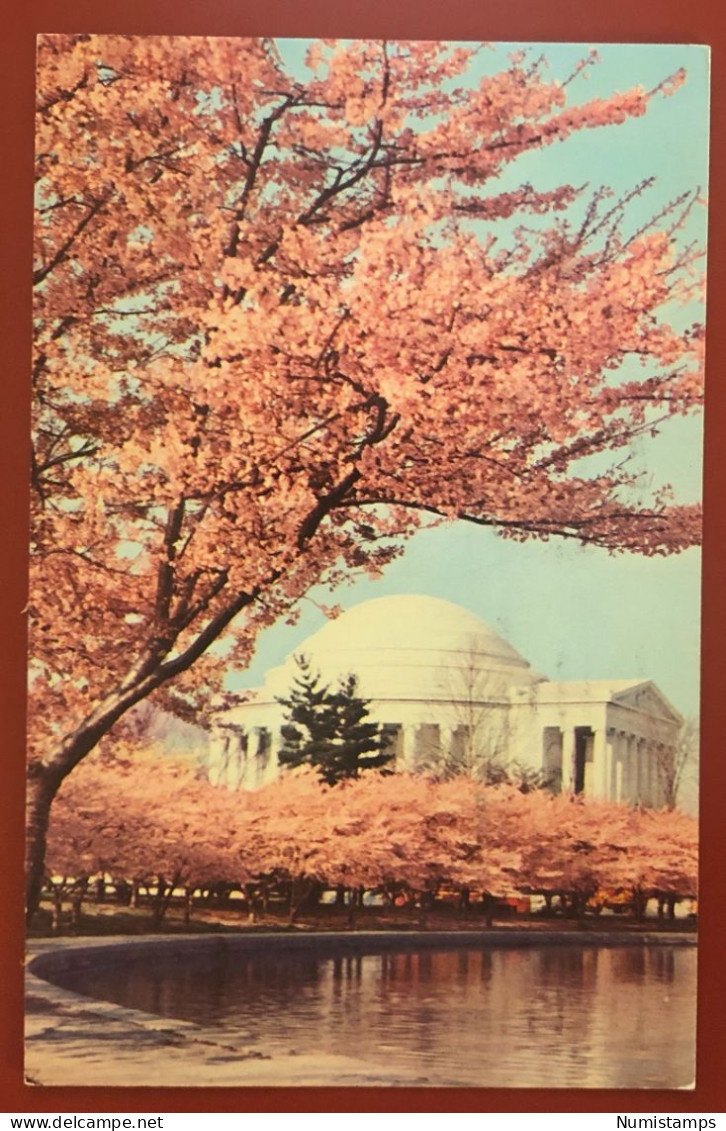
[256, 749]
[446, 742]
[619, 760]
[662, 755]
[231, 760]
[640, 769]
[568, 759]
[273, 766]
[601, 759]
[219, 750]
[213, 756]
[652, 764]
[253, 747]
[631, 755]
[408, 743]
[243, 744]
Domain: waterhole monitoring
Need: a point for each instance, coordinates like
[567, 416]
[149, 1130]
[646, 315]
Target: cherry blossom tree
[576, 849]
[148, 821]
[658, 856]
[276, 331]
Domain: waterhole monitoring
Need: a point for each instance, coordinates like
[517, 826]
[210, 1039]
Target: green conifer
[330, 729]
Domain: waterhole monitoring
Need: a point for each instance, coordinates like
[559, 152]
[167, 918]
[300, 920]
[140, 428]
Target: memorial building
[451, 694]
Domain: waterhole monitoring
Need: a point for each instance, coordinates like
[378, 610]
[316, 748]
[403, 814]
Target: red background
[537, 20]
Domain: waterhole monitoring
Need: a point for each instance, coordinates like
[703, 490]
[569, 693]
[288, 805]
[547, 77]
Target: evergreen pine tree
[329, 729]
[310, 729]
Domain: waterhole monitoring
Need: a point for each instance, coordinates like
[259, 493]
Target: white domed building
[450, 693]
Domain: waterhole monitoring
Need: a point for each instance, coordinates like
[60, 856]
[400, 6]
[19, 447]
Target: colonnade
[618, 765]
[606, 763]
[639, 767]
[243, 759]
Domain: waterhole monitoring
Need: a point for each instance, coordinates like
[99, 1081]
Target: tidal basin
[485, 1010]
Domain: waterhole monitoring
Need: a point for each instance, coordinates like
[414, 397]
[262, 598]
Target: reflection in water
[632, 967]
[562, 1016]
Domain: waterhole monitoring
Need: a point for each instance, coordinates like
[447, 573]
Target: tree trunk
[152, 669]
[487, 902]
[313, 896]
[158, 903]
[57, 915]
[77, 903]
[44, 778]
[162, 899]
[42, 788]
[300, 889]
[251, 900]
[123, 892]
[577, 905]
[44, 781]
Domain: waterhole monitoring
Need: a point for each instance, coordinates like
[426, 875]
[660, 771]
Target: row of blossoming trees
[393, 833]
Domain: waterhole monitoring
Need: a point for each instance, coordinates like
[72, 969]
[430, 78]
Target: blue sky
[577, 612]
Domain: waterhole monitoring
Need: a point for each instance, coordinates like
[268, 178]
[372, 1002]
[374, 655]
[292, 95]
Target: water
[559, 1016]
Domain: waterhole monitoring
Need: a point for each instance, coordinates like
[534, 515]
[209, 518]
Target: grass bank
[105, 919]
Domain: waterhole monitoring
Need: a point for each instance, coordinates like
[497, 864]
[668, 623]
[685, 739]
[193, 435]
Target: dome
[408, 647]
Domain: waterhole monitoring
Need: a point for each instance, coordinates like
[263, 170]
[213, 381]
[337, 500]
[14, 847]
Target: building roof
[409, 647]
[638, 695]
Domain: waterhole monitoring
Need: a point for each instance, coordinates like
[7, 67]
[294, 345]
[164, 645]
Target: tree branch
[62, 252]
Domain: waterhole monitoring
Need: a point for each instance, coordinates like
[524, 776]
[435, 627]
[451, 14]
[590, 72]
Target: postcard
[365, 577]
